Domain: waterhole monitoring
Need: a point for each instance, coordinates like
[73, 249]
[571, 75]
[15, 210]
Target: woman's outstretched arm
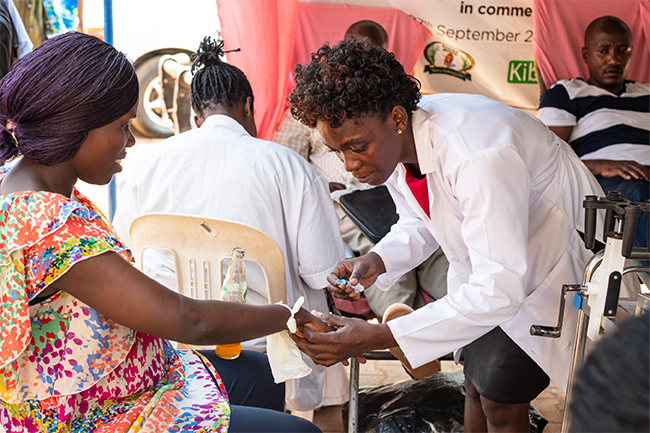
[122, 293]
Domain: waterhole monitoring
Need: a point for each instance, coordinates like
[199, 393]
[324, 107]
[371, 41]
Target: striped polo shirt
[605, 125]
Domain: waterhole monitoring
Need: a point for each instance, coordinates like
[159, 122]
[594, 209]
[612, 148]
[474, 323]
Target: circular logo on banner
[445, 59]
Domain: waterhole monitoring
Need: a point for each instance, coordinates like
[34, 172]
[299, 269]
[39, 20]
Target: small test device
[358, 288]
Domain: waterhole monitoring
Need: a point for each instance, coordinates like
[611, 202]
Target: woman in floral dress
[83, 334]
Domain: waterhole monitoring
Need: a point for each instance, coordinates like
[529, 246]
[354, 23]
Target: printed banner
[478, 46]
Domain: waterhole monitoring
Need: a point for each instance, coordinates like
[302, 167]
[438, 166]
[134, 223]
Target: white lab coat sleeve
[493, 189]
[156, 264]
[320, 246]
[127, 210]
[408, 243]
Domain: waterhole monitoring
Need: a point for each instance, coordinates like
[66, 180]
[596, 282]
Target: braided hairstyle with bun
[215, 82]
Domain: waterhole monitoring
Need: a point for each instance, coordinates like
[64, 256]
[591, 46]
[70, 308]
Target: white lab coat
[505, 199]
[220, 171]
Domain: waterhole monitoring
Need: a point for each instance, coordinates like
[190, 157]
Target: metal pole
[108, 38]
[578, 355]
[108, 21]
[576, 361]
[353, 405]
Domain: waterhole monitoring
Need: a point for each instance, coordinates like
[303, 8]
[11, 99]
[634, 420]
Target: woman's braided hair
[51, 98]
[215, 82]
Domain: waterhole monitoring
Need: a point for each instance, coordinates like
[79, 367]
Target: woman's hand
[352, 337]
[364, 270]
[304, 319]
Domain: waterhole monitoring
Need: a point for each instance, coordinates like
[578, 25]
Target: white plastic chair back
[199, 246]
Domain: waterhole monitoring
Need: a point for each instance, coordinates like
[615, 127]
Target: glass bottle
[234, 289]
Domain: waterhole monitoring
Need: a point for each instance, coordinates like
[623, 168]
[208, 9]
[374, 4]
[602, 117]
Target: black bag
[8, 40]
[430, 405]
[371, 210]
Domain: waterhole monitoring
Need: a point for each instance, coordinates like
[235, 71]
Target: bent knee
[470, 391]
[502, 414]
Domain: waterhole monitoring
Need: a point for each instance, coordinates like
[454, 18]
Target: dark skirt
[501, 371]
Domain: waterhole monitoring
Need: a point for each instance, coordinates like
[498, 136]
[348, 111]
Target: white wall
[145, 25]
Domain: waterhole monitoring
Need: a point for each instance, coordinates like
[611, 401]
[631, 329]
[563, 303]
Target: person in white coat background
[220, 170]
[493, 187]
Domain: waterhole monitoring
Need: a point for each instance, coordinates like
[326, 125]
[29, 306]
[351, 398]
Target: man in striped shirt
[606, 119]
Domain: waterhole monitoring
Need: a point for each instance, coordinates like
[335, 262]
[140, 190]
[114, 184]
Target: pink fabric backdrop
[559, 27]
[266, 32]
[319, 23]
[275, 34]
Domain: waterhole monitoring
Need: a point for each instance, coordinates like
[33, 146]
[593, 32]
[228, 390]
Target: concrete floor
[549, 404]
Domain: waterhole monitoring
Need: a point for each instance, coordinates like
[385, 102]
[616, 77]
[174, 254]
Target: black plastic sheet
[431, 405]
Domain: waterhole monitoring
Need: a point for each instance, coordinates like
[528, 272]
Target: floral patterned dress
[63, 366]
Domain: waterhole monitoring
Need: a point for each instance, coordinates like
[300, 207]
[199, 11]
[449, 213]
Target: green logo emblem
[522, 72]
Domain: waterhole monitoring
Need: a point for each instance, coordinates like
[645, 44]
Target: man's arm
[564, 132]
[610, 168]
[606, 167]
[555, 112]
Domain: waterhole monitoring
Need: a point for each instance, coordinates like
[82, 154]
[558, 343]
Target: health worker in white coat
[220, 170]
[491, 185]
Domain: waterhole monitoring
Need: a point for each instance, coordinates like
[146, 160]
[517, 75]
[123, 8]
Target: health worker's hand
[353, 337]
[363, 270]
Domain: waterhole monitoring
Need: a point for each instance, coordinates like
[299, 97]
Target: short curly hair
[351, 80]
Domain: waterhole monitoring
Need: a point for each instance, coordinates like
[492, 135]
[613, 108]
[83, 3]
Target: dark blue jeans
[256, 401]
[633, 190]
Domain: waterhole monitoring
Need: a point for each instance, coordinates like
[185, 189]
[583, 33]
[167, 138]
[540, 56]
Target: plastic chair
[199, 245]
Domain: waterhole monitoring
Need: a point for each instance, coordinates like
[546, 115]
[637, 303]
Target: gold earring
[399, 130]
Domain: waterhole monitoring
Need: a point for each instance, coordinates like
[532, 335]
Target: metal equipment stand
[597, 297]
